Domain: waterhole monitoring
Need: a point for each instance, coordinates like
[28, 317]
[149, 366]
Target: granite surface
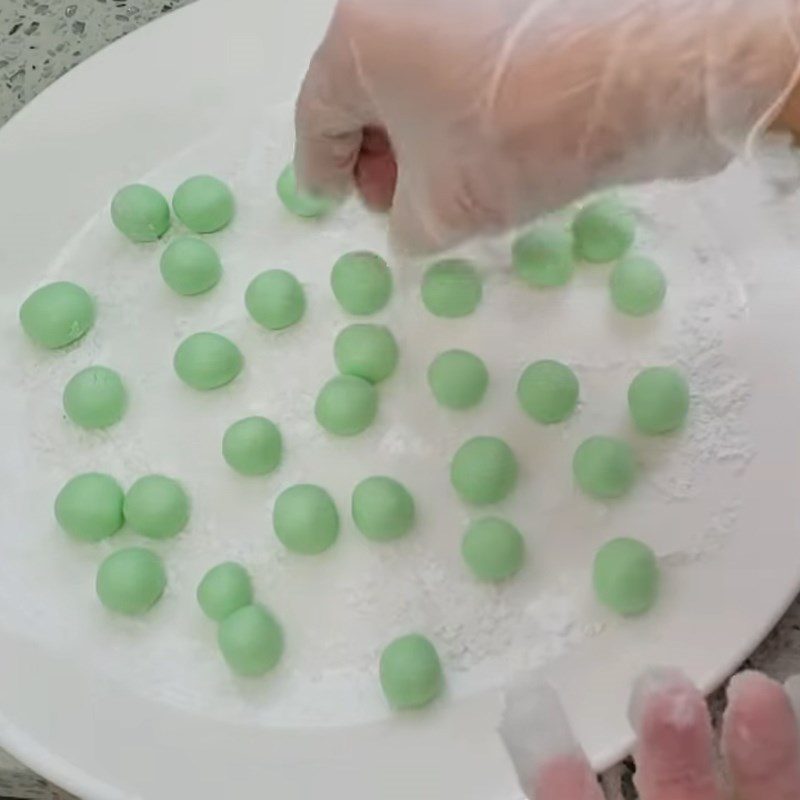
[41, 40]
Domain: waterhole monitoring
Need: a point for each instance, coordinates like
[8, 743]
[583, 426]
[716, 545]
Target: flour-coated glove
[473, 116]
[674, 751]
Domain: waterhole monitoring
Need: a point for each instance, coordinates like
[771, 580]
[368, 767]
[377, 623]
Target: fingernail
[662, 681]
[534, 727]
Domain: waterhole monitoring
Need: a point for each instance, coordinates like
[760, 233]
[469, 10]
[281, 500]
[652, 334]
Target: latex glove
[470, 116]
[675, 754]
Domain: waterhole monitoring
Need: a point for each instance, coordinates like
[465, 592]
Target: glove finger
[549, 763]
[413, 226]
[674, 753]
[332, 109]
[760, 739]
[447, 197]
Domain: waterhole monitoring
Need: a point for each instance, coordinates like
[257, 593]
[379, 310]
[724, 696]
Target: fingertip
[749, 683]
[650, 689]
[538, 738]
[324, 165]
[328, 118]
[674, 748]
[752, 696]
[534, 727]
[673, 717]
[759, 727]
[760, 739]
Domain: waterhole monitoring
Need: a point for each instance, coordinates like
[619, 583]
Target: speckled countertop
[41, 40]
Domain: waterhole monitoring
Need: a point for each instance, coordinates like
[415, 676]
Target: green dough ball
[224, 589]
[251, 641]
[190, 266]
[131, 580]
[95, 398]
[204, 204]
[346, 405]
[493, 549]
[545, 256]
[305, 519]
[57, 314]
[548, 391]
[604, 230]
[89, 507]
[275, 299]
[383, 509]
[638, 286]
[411, 673]
[366, 351]
[458, 379]
[604, 467]
[253, 446]
[451, 288]
[361, 282]
[626, 576]
[484, 470]
[157, 507]
[300, 203]
[140, 212]
[207, 361]
[659, 400]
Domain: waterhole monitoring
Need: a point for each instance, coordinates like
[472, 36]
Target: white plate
[110, 710]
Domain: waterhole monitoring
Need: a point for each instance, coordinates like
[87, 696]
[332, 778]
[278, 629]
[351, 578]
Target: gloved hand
[675, 754]
[468, 116]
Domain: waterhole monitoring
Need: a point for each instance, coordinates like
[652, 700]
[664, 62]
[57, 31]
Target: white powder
[341, 608]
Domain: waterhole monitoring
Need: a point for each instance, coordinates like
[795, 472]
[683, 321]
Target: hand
[467, 116]
[675, 754]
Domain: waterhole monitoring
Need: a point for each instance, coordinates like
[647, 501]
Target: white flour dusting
[340, 608]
